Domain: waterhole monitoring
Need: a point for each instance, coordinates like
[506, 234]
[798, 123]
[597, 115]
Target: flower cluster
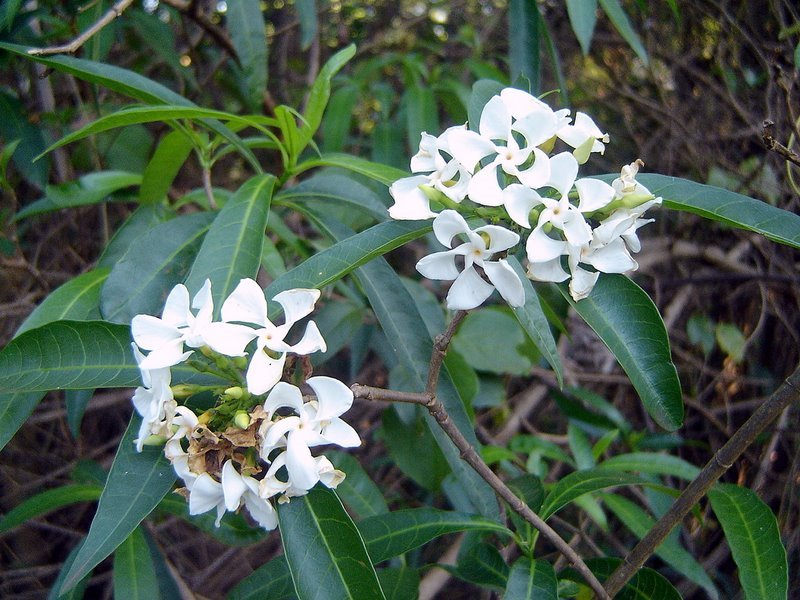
[254, 445]
[510, 172]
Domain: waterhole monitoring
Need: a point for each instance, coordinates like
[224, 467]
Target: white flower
[497, 138]
[238, 489]
[410, 202]
[469, 289]
[315, 423]
[154, 402]
[585, 136]
[177, 326]
[207, 494]
[271, 485]
[247, 304]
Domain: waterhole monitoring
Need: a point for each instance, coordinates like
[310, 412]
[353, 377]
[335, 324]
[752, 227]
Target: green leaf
[531, 580]
[523, 43]
[483, 565]
[534, 321]
[582, 17]
[731, 341]
[670, 551]
[421, 113]
[15, 408]
[339, 188]
[623, 25]
[73, 355]
[15, 125]
[140, 280]
[234, 529]
[172, 151]
[482, 92]
[651, 462]
[357, 491]
[627, 321]
[579, 483]
[77, 300]
[134, 573]
[135, 485]
[89, 189]
[401, 531]
[307, 13]
[646, 584]
[325, 552]
[75, 402]
[490, 339]
[321, 92]
[754, 539]
[149, 114]
[340, 116]
[77, 592]
[727, 207]
[580, 446]
[142, 220]
[245, 23]
[383, 173]
[231, 250]
[48, 501]
[400, 583]
[271, 580]
[335, 262]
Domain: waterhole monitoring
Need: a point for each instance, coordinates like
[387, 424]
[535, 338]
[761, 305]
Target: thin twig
[73, 46]
[470, 455]
[775, 146]
[724, 458]
[212, 204]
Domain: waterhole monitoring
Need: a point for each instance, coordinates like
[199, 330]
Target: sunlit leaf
[171, 152]
[577, 484]
[582, 17]
[619, 18]
[48, 501]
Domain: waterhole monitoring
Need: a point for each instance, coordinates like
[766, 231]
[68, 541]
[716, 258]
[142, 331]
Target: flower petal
[283, 395]
[262, 511]
[150, 332]
[469, 148]
[410, 203]
[425, 160]
[264, 372]
[576, 229]
[233, 486]
[311, 342]
[246, 304]
[296, 303]
[519, 201]
[177, 306]
[447, 225]
[275, 433]
[495, 123]
[165, 356]
[541, 247]
[468, 291]
[539, 173]
[593, 193]
[484, 188]
[506, 281]
[340, 433]
[613, 258]
[500, 238]
[563, 171]
[334, 398]
[439, 265]
[582, 283]
[205, 495]
[229, 339]
[300, 464]
[549, 270]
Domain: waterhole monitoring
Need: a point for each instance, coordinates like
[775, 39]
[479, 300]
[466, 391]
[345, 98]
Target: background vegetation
[685, 86]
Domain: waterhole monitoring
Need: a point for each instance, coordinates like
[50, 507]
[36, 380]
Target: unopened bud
[154, 440]
[547, 147]
[241, 419]
[240, 362]
[636, 198]
[234, 392]
[182, 390]
[205, 417]
[207, 352]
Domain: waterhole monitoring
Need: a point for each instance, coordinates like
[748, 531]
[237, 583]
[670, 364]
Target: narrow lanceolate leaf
[523, 42]
[246, 27]
[627, 321]
[135, 485]
[307, 12]
[89, 189]
[77, 300]
[379, 172]
[342, 258]
[271, 580]
[151, 266]
[48, 501]
[325, 552]
[727, 207]
[77, 592]
[321, 92]
[129, 84]
[647, 584]
[231, 250]
[535, 323]
[75, 355]
[755, 542]
[651, 462]
[15, 408]
[412, 345]
[398, 532]
[172, 151]
[579, 483]
[582, 17]
[617, 16]
[134, 573]
[338, 188]
[421, 113]
[531, 580]
[670, 551]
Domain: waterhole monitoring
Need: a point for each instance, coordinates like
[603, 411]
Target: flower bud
[240, 362]
[182, 390]
[434, 195]
[241, 419]
[154, 440]
[234, 392]
[205, 417]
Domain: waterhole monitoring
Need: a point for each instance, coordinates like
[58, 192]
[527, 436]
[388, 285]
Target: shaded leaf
[245, 23]
[619, 18]
[379, 172]
[357, 491]
[646, 584]
[755, 542]
[531, 580]
[75, 402]
[627, 321]
[134, 573]
[523, 43]
[326, 555]
[271, 580]
[231, 249]
[48, 501]
[482, 92]
[307, 12]
[651, 462]
[135, 485]
[582, 18]
[579, 483]
[399, 584]
[483, 565]
[171, 152]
